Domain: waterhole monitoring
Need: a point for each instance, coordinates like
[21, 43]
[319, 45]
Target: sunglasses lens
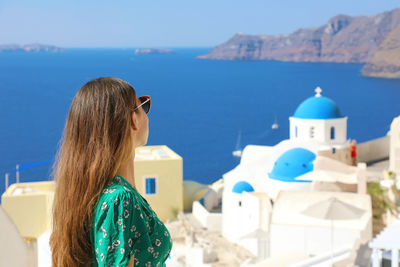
[145, 106]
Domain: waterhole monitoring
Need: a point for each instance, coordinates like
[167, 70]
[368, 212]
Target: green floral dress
[124, 224]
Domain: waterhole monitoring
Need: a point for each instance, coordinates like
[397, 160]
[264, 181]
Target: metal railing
[19, 168]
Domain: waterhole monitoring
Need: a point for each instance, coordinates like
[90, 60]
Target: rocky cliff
[343, 39]
[386, 61]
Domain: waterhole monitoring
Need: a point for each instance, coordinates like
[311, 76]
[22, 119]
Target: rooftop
[318, 107]
[155, 153]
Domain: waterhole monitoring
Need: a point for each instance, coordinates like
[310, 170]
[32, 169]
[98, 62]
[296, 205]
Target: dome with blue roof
[318, 107]
[241, 186]
[293, 163]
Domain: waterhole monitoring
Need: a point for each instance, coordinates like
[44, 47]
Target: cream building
[25, 213]
[25, 224]
[159, 179]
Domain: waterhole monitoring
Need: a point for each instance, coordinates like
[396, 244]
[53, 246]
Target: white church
[318, 129]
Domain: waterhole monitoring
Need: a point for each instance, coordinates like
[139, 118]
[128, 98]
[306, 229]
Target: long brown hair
[96, 140]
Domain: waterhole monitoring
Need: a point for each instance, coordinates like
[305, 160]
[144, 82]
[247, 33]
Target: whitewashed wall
[308, 240]
[322, 130]
[212, 221]
[395, 146]
[13, 250]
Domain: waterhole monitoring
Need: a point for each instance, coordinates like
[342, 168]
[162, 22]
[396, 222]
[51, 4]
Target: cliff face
[386, 61]
[343, 39]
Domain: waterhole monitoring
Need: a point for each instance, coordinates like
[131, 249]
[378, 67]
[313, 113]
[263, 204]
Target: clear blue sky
[165, 23]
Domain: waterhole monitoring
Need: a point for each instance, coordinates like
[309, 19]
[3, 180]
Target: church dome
[318, 107]
[291, 164]
[241, 186]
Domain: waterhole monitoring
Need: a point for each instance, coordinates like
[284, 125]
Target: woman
[99, 218]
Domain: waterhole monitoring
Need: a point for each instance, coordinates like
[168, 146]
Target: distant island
[142, 51]
[30, 48]
[343, 39]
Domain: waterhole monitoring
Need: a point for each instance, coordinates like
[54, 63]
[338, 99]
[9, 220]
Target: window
[332, 132]
[312, 132]
[295, 131]
[150, 185]
[333, 150]
[240, 203]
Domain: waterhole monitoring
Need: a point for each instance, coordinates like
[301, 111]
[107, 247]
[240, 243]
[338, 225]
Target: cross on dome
[318, 91]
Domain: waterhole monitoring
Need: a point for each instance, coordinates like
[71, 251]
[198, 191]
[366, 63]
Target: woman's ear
[134, 121]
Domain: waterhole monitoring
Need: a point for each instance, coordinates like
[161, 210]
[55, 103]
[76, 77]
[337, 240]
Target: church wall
[340, 126]
[321, 130]
[304, 129]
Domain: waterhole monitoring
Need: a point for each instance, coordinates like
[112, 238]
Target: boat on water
[238, 151]
[275, 124]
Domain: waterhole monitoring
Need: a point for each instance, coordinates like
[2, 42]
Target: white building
[394, 161]
[317, 128]
[312, 236]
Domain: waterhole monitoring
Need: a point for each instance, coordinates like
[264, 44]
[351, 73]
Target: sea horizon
[198, 106]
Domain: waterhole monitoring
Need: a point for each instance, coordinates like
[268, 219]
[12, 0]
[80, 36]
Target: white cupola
[318, 119]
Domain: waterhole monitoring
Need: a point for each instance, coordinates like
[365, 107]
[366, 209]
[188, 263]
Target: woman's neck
[126, 170]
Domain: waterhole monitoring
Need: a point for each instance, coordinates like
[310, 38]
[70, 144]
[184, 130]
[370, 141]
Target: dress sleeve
[122, 230]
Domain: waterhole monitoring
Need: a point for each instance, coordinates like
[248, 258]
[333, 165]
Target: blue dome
[318, 107]
[293, 163]
[241, 186]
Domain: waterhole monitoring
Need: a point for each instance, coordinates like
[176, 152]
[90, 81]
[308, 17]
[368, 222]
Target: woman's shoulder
[118, 185]
[113, 192]
[118, 182]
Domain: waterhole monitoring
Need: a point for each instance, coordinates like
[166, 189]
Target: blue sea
[198, 106]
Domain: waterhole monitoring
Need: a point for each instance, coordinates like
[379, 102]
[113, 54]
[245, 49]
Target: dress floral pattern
[124, 224]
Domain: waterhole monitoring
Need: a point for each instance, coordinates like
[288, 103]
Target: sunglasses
[145, 103]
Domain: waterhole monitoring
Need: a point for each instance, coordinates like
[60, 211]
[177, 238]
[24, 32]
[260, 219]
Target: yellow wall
[169, 184]
[30, 211]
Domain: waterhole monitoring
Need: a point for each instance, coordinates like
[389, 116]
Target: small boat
[275, 124]
[238, 152]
